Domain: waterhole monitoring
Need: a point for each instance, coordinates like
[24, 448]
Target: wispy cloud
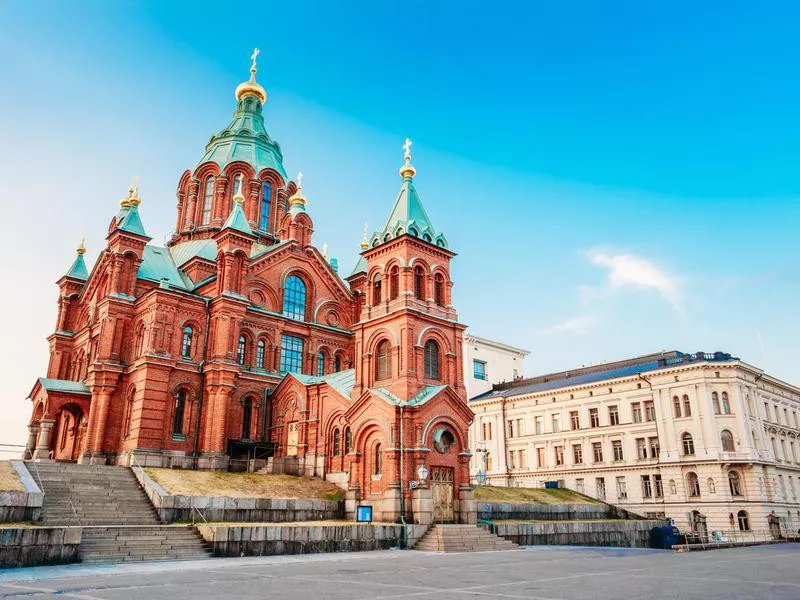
[575, 325]
[629, 271]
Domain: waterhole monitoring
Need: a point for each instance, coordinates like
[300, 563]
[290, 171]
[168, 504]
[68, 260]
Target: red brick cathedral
[241, 340]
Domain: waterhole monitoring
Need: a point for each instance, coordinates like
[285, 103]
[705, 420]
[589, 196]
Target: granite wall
[31, 547]
[617, 533]
[550, 512]
[18, 507]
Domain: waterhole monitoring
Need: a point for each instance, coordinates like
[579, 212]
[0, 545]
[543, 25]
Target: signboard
[364, 514]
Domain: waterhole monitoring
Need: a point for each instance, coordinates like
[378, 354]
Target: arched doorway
[69, 432]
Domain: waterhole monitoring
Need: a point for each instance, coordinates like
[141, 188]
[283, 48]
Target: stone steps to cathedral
[462, 538]
[129, 544]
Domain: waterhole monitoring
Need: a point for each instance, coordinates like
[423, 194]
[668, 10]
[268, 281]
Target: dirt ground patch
[243, 485]
[9, 480]
[489, 493]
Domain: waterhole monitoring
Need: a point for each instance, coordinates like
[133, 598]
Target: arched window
[241, 350]
[348, 441]
[378, 460]
[431, 355]
[208, 201]
[394, 282]
[744, 522]
[688, 444]
[687, 406]
[294, 298]
[180, 409]
[726, 405]
[247, 418]
[238, 184]
[266, 202]
[727, 441]
[376, 290]
[419, 282]
[676, 406]
[337, 363]
[320, 364]
[186, 342]
[260, 353]
[715, 402]
[734, 483]
[438, 289]
[694, 485]
[336, 442]
[383, 362]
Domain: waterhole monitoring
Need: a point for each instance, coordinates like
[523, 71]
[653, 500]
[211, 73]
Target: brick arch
[452, 424]
[237, 167]
[377, 336]
[432, 332]
[419, 261]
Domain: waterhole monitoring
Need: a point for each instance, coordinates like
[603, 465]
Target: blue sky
[617, 178]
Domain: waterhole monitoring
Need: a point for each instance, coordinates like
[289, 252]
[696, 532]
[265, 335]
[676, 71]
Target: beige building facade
[487, 362]
[705, 439]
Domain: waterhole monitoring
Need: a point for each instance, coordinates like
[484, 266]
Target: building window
[580, 486]
[559, 455]
[438, 289]
[538, 428]
[394, 282]
[688, 444]
[431, 360]
[659, 486]
[479, 370]
[266, 202]
[726, 405]
[647, 488]
[241, 350]
[715, 403]
[687, 406]
[294, 298]
[694, 485]
[291, 354]
[540, 457]
[419, 282]
[636, 412]
[600, 487]
[378, 460]
[180, 409]
[186, 342]
[510, 459]
[613, 415]
[654, 447]
[744, 522]
[320, 364]
[641, 447]
[676, 406]
[521, 459]
[337, 363]
[376, 290]
[336, 442]
[260, 351]
[510, 428]
[556, 418]
[622, 488]
[208, 202]
[577, 454]
[727, 441]
[597, 451]
[617, 447]
[383, 362]
[348, 441]
[594, 418]
[247, 418]
[574, 419]
[649, 411]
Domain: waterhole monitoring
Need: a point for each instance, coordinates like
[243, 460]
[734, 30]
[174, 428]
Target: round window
[442, 440]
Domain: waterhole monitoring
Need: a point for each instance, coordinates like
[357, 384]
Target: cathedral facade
[240, 340]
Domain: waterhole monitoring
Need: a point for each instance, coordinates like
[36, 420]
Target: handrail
[194, 510]
[492, 525]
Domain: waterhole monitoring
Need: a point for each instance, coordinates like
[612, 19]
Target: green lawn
[490, 493]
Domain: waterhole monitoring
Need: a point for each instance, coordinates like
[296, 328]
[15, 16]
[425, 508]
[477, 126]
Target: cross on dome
[407, 149]
[253, 57]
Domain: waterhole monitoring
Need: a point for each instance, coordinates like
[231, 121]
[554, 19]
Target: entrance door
[442, 492]
[291, 440]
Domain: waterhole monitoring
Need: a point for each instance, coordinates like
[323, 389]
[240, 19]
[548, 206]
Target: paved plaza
[540, 573]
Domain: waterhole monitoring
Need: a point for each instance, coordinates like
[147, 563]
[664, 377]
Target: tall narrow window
[438, 289]
[687, 406]
[676, 405]
[734, 483]
[337, 363]
[266, 203]
[419, 282]
[727, 441]
[715, 402]
[383, 363]
[186, 342]
[688, 444]
[247, 418]
[208, 201]
[744, 522]
[378, 460]
[241, 350]
[726, 405]
[348, 441]
[394, 282]
[336, 442]
[180, 408]
[694, 485]
[260, 352]
[294, 298]
[431, 354]
[320, 364]
[291, 354]
[376, 289]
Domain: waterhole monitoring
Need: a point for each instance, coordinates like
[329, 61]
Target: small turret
[78, 269]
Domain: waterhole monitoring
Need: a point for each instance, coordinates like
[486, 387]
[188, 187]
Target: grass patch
[9, 480]
[490, 493]
[243, 485]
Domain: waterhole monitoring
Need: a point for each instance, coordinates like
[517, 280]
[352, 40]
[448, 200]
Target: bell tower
[408, 339]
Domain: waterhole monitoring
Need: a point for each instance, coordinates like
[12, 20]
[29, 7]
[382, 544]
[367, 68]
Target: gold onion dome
[407, 170]
[252, 87]
[297, 199]
[81, 249]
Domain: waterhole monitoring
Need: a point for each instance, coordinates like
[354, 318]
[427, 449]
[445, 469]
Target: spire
[297, 202]
[252, 87]
[407, 170]
[237, 219]
[78, 269]
[365, 238]
[128, 218]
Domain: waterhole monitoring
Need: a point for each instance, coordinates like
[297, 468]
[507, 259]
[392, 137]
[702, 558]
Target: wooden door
[442, 492]
[291, 440]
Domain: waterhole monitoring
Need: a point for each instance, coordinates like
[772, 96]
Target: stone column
[42, 451]
[30, 446]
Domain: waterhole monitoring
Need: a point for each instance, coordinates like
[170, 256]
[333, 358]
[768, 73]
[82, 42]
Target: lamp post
[422, 475]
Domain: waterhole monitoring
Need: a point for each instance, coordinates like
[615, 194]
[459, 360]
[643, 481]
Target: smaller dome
[252, 87]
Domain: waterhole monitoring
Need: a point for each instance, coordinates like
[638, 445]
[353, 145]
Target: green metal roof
[246, 139]
[342, 381]
[424, 395]
[186, 251]
[78, 269]
[361, 266]
[157, 265]
[130, 221]
[63, 385]
[237, 221]
[408, 216]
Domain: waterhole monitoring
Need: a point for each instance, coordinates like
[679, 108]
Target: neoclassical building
[239, 339]
[706, 439]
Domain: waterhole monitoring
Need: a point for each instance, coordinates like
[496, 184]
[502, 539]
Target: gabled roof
[342, 381]
[423, 396]
[237, 221]
[130, 221]
[158, 265]
[64, 385]
[186, 251]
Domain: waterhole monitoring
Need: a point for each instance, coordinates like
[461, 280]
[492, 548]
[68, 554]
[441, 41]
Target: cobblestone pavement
[539, 573]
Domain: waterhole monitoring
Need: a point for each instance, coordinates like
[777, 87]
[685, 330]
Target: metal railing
[732, 537]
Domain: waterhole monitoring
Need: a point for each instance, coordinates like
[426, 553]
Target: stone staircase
[131, 543]
[462, 538]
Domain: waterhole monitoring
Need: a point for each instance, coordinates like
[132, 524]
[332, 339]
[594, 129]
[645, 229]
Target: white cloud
[627, 270]
[575, 325]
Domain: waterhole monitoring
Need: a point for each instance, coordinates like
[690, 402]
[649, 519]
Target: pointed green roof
[130, 221]
[237, 220]
[78, 269]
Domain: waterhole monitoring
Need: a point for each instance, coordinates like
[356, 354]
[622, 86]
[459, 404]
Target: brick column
[43, 445]
[98, 418]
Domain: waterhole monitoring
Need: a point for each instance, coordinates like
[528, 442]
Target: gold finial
[407, 170]
[252, 87]
[364, 238]
[134, 191]
[297, 199]
[81, 249]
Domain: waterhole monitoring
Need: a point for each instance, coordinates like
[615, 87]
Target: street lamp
[422, 475]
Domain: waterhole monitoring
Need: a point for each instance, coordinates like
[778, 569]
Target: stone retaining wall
[550, 512]
[172, 509]
[17, 507]
[34, 546]
[619, 533]
[262, 540]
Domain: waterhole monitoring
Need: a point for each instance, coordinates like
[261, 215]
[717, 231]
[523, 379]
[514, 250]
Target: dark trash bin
[665, 537]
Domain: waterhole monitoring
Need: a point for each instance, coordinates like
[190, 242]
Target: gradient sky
[617, 178]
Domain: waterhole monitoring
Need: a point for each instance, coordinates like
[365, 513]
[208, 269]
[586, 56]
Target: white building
[706, 439]
[487, 362]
